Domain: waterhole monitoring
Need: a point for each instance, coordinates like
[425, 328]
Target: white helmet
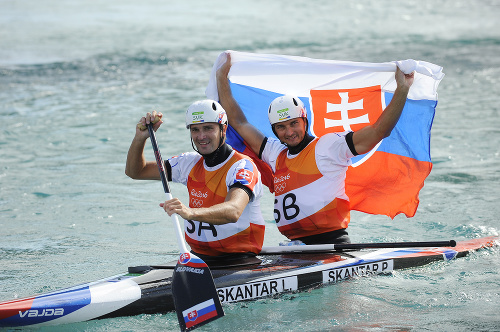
[205, 111]
[286, 108]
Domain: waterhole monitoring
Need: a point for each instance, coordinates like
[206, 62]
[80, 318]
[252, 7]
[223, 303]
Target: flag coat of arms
[345, 96]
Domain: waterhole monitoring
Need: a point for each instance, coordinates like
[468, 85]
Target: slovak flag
[244, 176]
[345, 96]
[199, 313]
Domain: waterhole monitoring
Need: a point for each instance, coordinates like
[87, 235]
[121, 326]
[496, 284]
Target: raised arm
[137, 167]
[227, 212]
[236, 118]
[366, 138]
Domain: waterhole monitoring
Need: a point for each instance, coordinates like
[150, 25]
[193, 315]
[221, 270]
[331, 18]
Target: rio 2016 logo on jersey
[345, 110]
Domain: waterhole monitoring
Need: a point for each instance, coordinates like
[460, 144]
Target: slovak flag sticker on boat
[199, 313]
[184, 258]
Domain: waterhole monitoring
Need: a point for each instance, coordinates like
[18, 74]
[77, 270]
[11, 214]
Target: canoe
[147, 289]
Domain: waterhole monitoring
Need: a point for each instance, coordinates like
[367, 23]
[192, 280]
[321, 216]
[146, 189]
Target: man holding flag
[310, 203]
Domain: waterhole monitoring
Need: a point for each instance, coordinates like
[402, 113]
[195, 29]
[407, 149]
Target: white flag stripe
[199, 307]
[298, 75]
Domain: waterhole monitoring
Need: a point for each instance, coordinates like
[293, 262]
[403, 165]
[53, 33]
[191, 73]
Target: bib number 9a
[288, 207]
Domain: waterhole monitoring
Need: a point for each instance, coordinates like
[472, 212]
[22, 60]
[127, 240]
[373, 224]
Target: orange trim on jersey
[332, 217]
[200, 178]
[300, 171]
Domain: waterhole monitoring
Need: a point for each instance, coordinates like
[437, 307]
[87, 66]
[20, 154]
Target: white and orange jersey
[208, 186]
[309, 187]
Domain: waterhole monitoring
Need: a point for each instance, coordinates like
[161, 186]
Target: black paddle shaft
[354, 246]
[159, 160]
[316, 248]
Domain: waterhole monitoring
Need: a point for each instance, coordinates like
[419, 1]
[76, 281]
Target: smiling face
[291, 132]
[206, 136]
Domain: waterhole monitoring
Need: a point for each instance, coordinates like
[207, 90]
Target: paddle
[352, 246]
[193, 289]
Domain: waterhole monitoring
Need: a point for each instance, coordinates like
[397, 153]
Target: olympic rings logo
[196, 203]
[279, 187]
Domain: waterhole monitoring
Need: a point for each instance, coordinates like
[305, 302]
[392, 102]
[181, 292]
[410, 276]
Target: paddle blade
[195, 296]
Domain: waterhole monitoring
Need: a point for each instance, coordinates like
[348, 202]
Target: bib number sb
[288, 206]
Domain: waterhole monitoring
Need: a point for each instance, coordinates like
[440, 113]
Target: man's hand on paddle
[174, 205]
[137, 167]
[154, 118]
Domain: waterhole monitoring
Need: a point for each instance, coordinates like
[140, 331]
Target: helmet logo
[198, 117]
[220, 117]
[283, 114]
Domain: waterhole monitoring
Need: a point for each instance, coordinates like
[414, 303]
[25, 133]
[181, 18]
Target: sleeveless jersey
[208, 186]
[309, 187]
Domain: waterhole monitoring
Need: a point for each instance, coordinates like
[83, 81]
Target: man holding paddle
[223, 219]
[309, 173]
